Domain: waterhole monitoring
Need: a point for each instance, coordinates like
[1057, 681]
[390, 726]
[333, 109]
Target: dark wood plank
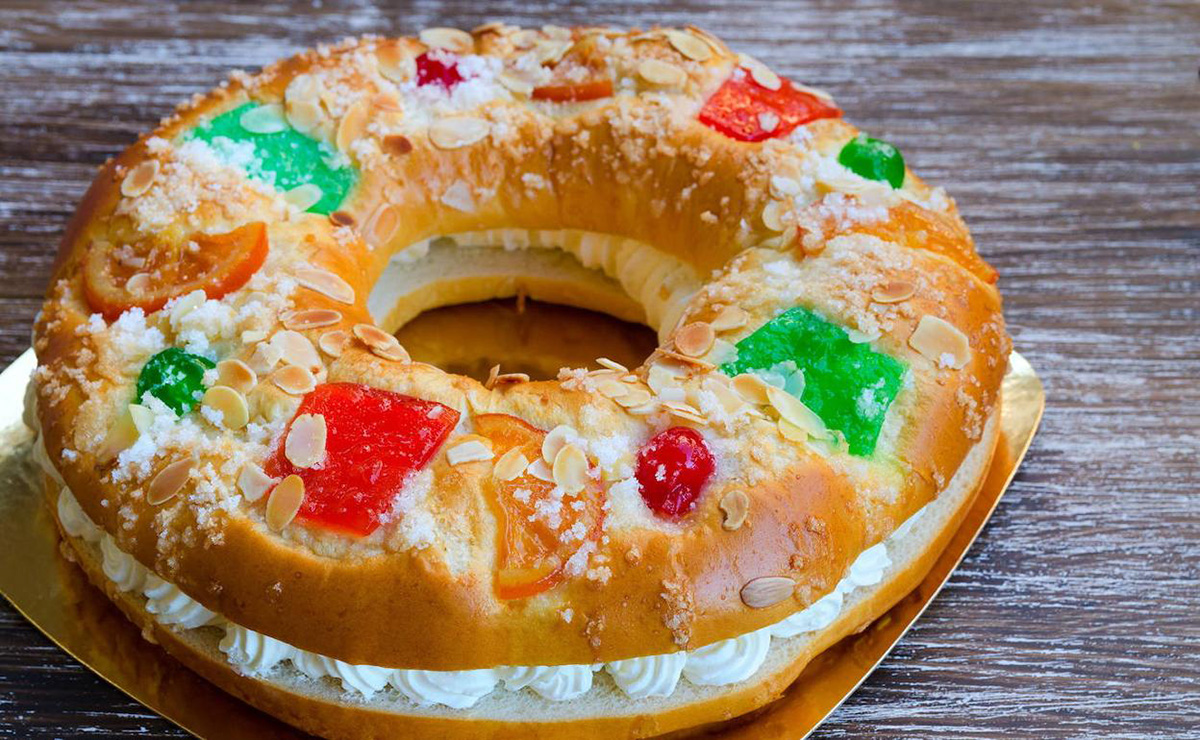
[1068, 133]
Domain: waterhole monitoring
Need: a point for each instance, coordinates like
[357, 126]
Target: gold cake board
[56, 597]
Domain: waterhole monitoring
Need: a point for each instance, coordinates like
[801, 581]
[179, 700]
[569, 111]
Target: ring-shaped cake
[240, 452]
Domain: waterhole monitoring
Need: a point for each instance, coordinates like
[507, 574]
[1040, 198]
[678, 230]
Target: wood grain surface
[1069, 132]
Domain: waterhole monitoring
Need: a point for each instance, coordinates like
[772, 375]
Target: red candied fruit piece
[736, 108]
[431, 71]
[375, 441]
[672, 469]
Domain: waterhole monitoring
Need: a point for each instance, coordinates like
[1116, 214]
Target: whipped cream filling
[253, 654]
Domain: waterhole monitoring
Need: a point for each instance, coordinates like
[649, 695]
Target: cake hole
[522, 336]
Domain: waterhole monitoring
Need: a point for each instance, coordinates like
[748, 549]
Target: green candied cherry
[268, 149]
[848, 385]
[873, 159]
[174, 377]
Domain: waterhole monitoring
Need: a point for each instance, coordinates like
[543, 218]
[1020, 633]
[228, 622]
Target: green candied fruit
[174, 377]
[283, 158]
[848, 385]
[873, 159]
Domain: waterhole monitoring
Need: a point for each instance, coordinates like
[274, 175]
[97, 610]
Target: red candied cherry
[672, 469]
[437, 71]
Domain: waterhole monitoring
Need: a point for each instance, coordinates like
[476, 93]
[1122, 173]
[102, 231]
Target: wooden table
[1069, 133]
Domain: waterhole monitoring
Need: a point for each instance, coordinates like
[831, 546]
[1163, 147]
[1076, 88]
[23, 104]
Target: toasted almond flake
[772, 215]
[570, 469]
[472, 450]
[752, 388]
[635, 397]
[253, 482]
[304, 115]
[185, 305]
[893, 291]
[169, 481]
[297, 350]
[140, 178]
[515, 83]
[730, 317]
[305, 443]
[313, 318]
[791, 432]
[341, 218]
[688, 45]
[142, 417]
[857, 337]
[305, 196]
[784, 187]
[794, 411]
[524, 38]
[453, 133]
[138, 282]
[734, 505]
[684, 411]
[763, 74]
[396, 145]
[326, 283]
[373, 336]
[333, 343]
[612, 388]
[495, 378]
[550, 51]
[230, 404]
[658, 72]
[452, 39]
[695, 339]
[726, 396]
[265, 357]
[540, 469]
[284, 502]
[265, 119]
[695, 362]
[555, 440]
[643, 410]
[353, 124]
[611, 364]
[511, 465]
[759, 593]
[121, 436]
[294, 380]
[395, 63]
[252, 336]
[382, 225]
[941, 342]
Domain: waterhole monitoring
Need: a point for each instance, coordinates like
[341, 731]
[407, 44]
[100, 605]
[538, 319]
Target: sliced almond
[333, 343]
[121, 436]
[570, 469]
[236, 374]
[353, 124]
[684, 411]
[695, 339]
[611, 364]
[791, 432]
[395, 63]
[140, 178]
[759, 593]
[556, 439]
[253, 482]
[313, 318]
[762, 74]
[305, 443]
[515, 83]
[265, 357]
[794, 411]
[730, 317]
[472, 450]
[230, 404]
[284, 502]
[380, 342]
[451, 39]
[169, 481]
[305, 196]
[497, 378]
[397, 145]
[138, 282]
[658, 72]
[511, 465]
[453, 133]
[382, 225]
[688, 45]
[304, 115]
[784, 187]
[297, 350]
[772, 215]
[752, 388]
[142, 417]
[541, 470]
[326, 283]
[941, 342]
[612, 388]
[186, 304]
[264, 119]
[893, 291]
[635, 397]
[695, 362]
[734, 505]
[294, 380]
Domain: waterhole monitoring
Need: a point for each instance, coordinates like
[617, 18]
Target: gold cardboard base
[56, 597]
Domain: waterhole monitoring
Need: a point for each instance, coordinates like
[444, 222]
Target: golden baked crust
[639, 165]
